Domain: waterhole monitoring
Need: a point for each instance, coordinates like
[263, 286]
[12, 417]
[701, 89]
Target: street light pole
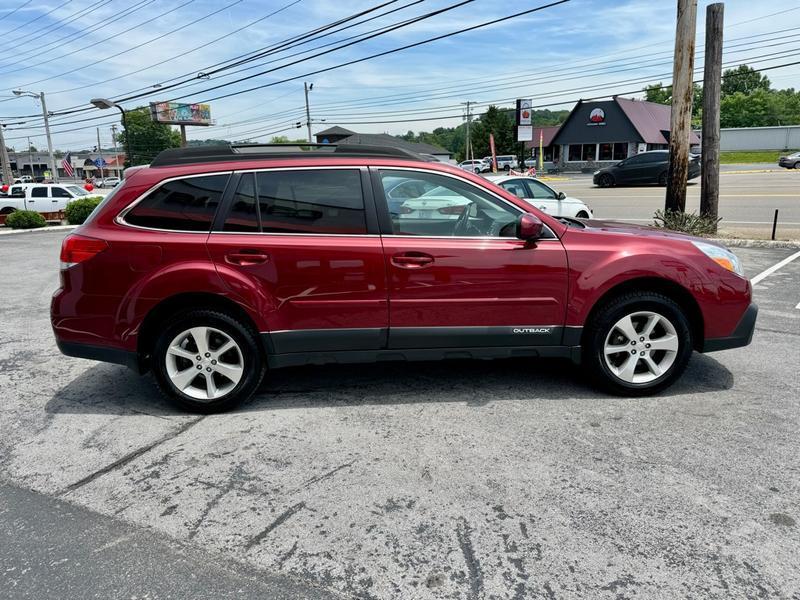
[46, 116]
[30, 157]
[102, 104]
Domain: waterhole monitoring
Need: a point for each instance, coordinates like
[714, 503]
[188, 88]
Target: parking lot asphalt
[747, 203]
[504, 479]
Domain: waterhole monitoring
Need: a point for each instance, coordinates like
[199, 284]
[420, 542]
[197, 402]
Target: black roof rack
[232, 152]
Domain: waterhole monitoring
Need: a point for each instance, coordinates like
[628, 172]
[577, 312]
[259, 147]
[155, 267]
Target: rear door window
[311, 201]
[39, 192]
[187, 204]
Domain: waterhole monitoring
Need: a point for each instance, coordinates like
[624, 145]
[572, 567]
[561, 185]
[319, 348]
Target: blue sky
[583, 48]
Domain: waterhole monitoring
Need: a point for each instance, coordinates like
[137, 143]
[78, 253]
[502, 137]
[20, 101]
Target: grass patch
[752, 156]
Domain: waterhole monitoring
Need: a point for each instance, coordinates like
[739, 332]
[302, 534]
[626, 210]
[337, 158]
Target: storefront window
[620, 151]
[574, 153]
[589, 152]
[606, 151]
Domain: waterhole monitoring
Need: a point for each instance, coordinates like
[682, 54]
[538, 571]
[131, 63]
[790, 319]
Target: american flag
[67, 166]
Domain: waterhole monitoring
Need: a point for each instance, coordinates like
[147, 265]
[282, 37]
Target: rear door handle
[412, 260]
[246, 258]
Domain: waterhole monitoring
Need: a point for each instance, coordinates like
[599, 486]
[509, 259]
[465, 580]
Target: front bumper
[742, 335]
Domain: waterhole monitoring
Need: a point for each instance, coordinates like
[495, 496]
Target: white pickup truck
[41, 197]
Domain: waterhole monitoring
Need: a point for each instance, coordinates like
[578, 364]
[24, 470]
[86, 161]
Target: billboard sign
[176, 113]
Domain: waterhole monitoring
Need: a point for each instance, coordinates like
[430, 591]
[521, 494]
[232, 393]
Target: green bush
[690, 223]
[25, 219]
[79, 210]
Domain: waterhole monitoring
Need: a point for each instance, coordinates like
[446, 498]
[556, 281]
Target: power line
[71, 37]
[150, 41]
[182, 53]
[41, 16]
[24, 4]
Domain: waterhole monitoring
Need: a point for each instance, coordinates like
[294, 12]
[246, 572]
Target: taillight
[405, 210]
[78, 248]
[456, 209]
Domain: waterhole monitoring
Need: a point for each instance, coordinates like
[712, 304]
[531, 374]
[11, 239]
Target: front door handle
[245, 258]
[412, 260]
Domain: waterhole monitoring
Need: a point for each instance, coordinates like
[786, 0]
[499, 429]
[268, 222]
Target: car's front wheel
[605, 180]
[637, 344]
[207, 361]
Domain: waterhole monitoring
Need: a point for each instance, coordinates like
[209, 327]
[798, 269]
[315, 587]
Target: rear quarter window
[187, 204]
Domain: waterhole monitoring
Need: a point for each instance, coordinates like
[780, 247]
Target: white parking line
[766, 273]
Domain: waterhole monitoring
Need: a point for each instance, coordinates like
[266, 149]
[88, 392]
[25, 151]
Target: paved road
[747, 201]
[506, 479]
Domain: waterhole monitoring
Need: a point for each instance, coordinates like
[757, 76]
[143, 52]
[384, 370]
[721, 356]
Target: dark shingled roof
[649, 119]
[383, 139]
[335, 131]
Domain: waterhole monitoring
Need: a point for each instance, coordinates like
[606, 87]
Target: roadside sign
[99, 162]
[524, 133]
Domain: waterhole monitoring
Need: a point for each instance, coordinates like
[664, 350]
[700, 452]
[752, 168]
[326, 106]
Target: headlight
[722, 256]
[596, 173]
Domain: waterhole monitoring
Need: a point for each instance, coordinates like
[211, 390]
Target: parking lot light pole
[103, 104]
[8, 177]
[46, 116]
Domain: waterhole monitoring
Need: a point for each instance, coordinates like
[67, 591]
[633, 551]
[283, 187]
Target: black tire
[506, 168]
[253, 362]
[602, 324]
[662, 179]
[582, 215]
[796, 165]
[477, 171]
[605, 180]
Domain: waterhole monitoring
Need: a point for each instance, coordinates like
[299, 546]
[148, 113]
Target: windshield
[78, 191]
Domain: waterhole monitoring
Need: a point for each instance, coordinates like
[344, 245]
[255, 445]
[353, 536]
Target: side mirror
[561, 196]
[529, 227]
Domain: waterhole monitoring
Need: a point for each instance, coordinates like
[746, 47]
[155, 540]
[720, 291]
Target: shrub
[25, 219]
[690, 223]
[79, 210]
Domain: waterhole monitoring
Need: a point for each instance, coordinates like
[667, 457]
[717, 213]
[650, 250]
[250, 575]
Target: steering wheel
[462, 225]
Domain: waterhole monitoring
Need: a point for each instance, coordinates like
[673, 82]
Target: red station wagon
[215, 264]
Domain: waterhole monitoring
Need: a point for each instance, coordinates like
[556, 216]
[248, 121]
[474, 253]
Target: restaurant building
[597, 134]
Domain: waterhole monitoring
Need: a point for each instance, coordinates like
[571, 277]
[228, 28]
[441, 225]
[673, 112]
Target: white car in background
[40, 197]
[473, 166]
[542, 196]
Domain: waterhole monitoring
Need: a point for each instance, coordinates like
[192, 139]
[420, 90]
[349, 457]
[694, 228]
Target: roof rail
[233, 152]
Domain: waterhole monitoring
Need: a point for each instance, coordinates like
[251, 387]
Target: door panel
[484, 292]
[472, 285]
[320, 292]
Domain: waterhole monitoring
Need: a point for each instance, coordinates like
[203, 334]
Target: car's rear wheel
[605, 180]
[582, 215]
[207, 361]
[477, 170]
[662, 179]
[638, 344]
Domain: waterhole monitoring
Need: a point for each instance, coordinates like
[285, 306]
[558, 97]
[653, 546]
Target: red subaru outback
[215, 264]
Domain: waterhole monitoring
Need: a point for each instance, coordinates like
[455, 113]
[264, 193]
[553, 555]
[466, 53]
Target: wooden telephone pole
[681, 114]
[712, 81]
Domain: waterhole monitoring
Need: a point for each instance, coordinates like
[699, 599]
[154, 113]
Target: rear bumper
[742, 335]
[107, 354]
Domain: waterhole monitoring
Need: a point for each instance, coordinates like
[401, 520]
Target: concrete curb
[744, 243]
[39, 229]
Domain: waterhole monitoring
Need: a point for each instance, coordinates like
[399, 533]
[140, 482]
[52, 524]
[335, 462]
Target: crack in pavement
[473, 566]
[236, 476]
[128, 458]
[288, 513]
[324, 476]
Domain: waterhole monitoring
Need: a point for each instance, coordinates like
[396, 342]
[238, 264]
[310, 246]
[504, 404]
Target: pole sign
[494, 153]
[524, 120]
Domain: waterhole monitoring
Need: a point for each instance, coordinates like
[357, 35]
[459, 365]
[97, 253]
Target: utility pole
[712, 81]
[100, 150]
[8, 177]
[30, 156]
[53, 168]
[307, 88]
[116, 149]
[681, 113]
[468, 140]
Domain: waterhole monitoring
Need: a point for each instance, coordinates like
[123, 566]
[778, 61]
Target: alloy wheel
[204, 363]
[641, 347]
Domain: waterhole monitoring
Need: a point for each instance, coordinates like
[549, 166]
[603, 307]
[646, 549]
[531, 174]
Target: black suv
[646, 167]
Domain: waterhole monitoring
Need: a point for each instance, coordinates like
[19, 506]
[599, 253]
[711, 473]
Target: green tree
[499, 123]
[283, 139]
[145, 137]
[662, 94]
[743, 79]
[761, 108]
